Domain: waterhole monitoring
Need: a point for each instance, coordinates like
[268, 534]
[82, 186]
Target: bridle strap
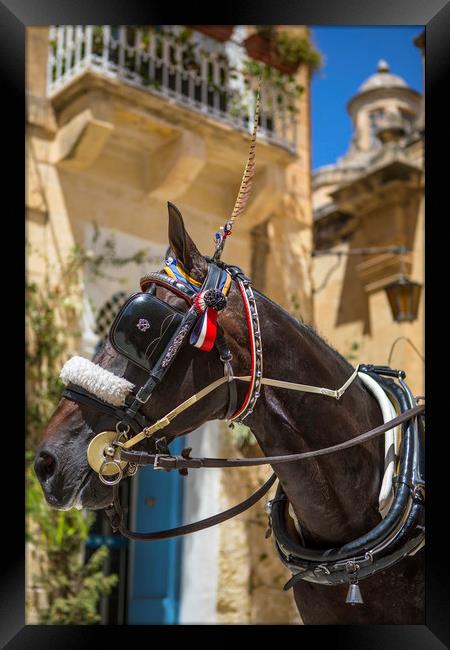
[169, 462]
[226, 357]
[116, 516]
[161, 367]
[129, 415]
[78, 394]
[165, 421]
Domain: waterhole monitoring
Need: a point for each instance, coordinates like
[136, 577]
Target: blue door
[154, 569]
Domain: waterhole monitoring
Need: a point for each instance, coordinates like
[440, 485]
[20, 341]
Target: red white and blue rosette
[206, 303]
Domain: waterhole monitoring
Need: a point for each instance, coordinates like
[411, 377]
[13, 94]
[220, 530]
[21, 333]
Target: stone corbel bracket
[80, 142]
[173, 167]
[268, 192]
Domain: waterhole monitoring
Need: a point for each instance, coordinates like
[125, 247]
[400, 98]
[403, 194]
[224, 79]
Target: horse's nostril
[45, 466]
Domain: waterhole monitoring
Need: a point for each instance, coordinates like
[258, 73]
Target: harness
[150, 333]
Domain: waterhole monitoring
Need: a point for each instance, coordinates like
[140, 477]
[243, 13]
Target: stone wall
[251, 576]
[351, 307]
[107, 152]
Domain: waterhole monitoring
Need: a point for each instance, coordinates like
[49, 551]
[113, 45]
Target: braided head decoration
[245, 187]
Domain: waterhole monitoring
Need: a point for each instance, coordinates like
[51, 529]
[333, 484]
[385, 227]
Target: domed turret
[380, 95]
[383, 78]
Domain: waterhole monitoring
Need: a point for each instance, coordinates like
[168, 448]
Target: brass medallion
[96, 453]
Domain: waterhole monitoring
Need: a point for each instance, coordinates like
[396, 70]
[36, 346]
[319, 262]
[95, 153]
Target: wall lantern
[404, 297]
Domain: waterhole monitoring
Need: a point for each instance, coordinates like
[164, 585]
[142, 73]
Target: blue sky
[351, 55]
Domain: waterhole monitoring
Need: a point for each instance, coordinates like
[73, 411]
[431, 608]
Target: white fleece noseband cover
[96, 380]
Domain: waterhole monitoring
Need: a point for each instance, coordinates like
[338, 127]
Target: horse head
[61, 462]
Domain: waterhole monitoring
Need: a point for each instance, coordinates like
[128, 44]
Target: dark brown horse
[335, 497]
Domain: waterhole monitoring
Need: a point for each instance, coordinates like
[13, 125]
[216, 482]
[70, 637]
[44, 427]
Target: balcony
[198, 72]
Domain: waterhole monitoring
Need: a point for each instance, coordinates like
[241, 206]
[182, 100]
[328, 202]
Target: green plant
[286, 87]
[241, 435]
[292, 49]
[51, 317]
[71, 587]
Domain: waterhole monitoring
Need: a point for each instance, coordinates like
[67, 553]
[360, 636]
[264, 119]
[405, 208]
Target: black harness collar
[396, 536]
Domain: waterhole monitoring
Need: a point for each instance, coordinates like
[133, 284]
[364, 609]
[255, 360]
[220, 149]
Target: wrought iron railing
[191, 68]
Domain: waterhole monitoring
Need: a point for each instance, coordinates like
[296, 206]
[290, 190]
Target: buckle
[419, 492]
[166, 459]
[155, 462]
[321, 570]
[142, 401]
[123, 432]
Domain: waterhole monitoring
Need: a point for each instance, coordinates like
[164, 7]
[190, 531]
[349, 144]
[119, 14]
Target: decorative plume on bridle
[245, 187]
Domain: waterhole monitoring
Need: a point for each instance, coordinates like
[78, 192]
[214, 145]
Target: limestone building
[121, 120]
[373, 197]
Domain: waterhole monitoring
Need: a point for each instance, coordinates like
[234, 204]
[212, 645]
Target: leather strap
[305, 388]
[165, 421]
[78, 394]
[115, 511]
[226, 357]
[182, 289]
[116, 516]
[167, 462]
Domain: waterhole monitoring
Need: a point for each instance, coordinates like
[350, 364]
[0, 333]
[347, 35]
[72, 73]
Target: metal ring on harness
[102, 472]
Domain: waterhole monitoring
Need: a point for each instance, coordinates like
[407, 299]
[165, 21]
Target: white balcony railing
[196, 71]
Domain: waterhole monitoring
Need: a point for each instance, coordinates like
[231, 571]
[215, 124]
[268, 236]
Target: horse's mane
[302, 326]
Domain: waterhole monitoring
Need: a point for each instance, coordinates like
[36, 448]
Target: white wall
[200, 551]
[121, 278]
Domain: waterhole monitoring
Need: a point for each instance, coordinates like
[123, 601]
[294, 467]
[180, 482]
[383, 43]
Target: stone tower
[372, 197]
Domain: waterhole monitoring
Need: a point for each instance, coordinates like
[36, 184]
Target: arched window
[107, 314]
[374, 118]
[408, 119]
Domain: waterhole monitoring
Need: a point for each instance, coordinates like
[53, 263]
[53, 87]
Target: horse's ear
[182, 245]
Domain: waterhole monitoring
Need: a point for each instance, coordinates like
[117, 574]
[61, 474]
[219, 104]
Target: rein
[105, 451]
[182, 462]
[116, 516]
[169, 462]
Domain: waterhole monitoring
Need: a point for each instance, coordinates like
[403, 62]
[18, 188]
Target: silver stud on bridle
[256, 333]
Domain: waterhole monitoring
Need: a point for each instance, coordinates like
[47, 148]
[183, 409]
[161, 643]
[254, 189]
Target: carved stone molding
[379, 270]
[391, 182]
